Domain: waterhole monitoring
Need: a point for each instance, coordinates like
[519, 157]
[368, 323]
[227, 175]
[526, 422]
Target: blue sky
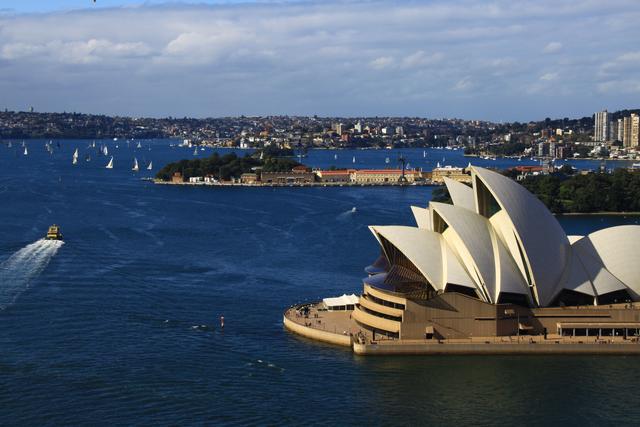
[499, 60]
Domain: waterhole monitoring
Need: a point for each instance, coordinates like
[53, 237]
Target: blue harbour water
[119, 325]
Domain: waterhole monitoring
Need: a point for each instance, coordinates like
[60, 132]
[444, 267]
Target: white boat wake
[17, 272]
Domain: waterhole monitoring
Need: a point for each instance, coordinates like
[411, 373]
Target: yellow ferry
[54, 233]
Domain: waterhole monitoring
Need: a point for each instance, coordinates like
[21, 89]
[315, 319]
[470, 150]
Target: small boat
[54, 233]
[139, 145]
[424, 153]
[195, 151]
[87, 158]
[75, 157]
[150, 166]
[110, 164]
[135, 167]
[354, 159]
[387, 160]
[26, 152]
[105, 151]
[335, 157]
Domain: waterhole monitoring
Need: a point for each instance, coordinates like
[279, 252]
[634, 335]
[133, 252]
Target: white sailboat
[424, 154]
[26, 152]
[335, 157]
[75, 156]
[139, 145]
[387, 160]
[195, 151]
[135, 167]
[354, 159]
[110, 164]
[105, 150]
[150, 166]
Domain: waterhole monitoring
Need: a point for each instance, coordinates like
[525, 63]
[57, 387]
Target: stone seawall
[316, 334]
[494, 348]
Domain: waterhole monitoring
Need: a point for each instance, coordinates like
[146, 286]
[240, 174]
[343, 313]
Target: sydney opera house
[492, 267]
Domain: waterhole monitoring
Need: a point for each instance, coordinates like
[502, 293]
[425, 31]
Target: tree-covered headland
[228, 166]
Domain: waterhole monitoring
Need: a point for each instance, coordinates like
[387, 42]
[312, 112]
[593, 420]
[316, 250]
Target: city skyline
[500, 62]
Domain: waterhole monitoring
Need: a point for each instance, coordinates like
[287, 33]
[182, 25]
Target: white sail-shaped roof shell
[544, 244]
[506, 241]
[428, 252]
[481, 252]
[461, 194]
[615, 249]
[603, 281]
[422, 217]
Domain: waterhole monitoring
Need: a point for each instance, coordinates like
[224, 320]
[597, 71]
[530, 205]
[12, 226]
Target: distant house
[382, 176]
[343, 175]
[177, 178]
[457, 174]
[249, 178]
[292, 177]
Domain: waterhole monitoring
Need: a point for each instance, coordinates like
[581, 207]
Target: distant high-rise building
[601, 128]
[635, 130]
[620, 131]
[613, 131]
[399, 131]
[626, 134]
[338, 128]
[358, 127]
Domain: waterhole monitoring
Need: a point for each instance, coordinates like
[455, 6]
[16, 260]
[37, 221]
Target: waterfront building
[343, 176]
[293, 177]
[177, 178]
[249, 178]
[601, 126]
[438, 175]
[382, 176]
[490, 267]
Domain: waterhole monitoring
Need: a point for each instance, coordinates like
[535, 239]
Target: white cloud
[547, 77]
[463, 84]
[552, 47]
[275, 57]
[75, 52]
[381, 62]
[420, 58]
